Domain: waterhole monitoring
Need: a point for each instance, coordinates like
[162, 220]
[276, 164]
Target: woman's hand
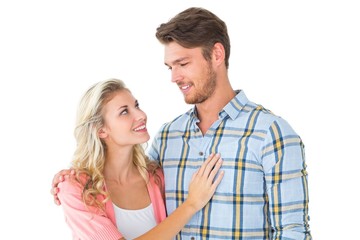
[203, 183]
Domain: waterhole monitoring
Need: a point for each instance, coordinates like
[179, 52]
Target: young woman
[117, 192]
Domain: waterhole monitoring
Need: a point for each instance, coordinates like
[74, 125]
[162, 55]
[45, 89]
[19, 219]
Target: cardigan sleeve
[86, 222]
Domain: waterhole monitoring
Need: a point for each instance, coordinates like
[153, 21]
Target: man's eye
[183, 64]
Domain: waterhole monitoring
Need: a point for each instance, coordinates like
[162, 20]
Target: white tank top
[133, 223]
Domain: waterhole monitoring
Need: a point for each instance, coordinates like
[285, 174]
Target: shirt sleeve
[283, 160]
[154, 151]
[86, 222]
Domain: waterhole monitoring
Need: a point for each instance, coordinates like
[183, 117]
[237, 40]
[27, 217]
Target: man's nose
[175, 75]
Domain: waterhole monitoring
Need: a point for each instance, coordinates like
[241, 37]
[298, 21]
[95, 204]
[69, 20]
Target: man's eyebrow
[176, 61]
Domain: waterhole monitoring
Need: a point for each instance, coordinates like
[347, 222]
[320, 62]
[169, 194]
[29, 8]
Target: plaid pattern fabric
[264, 192]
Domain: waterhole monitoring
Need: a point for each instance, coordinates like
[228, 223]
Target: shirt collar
[232, 109]
[236, 105]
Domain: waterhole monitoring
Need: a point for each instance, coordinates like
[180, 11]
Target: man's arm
[286, 181]
[154, 151]
[58, 178]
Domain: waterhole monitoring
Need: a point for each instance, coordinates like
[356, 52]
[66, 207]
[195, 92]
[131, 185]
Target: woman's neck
[119, 166]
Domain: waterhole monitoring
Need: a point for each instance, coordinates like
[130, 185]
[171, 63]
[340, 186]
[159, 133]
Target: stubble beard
[206, 89]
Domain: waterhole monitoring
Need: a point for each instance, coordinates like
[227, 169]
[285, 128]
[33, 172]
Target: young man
[264, 192]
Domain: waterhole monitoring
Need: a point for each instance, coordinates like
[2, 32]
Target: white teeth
[140, 128]
[185, 87]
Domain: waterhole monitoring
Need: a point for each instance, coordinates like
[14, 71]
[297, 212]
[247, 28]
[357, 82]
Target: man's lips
[185, 88]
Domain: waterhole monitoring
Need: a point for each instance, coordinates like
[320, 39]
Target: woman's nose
[140, 115]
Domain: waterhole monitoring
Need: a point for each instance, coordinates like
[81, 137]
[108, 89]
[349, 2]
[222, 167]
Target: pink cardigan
[90, 223]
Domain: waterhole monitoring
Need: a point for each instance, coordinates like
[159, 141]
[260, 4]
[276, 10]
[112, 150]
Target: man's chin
[189, 100]
[193, 101]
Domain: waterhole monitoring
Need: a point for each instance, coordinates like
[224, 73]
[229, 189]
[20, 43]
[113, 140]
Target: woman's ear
[102, 133]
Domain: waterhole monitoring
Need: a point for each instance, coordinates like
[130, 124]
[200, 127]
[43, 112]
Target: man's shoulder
[266, 119]
[178, 122]
[242, 106]
[263, 116]
[252, 108]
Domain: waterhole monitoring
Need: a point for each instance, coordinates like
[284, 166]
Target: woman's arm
[85, 222]
[202, 187]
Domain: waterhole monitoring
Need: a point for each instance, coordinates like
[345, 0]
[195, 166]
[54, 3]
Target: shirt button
[201, 153]
[192, 238]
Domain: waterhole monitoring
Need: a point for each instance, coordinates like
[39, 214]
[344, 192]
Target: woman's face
[124, 121]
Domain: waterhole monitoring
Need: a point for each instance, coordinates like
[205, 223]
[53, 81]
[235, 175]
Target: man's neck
[208, 111]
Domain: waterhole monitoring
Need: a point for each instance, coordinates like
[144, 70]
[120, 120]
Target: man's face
[194, 75]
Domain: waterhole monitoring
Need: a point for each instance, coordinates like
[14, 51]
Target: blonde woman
[117, 192]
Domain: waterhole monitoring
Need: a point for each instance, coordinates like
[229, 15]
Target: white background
[300, 59]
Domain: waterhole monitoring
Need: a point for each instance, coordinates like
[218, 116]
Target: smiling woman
[301, 58]
[117, 188]
[120, 125]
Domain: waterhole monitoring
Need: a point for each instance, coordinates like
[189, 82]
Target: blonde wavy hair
[89, 156]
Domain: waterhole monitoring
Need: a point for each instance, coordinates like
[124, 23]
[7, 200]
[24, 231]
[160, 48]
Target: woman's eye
[124, 112]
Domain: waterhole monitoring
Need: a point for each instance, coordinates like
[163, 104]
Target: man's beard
[206, 90]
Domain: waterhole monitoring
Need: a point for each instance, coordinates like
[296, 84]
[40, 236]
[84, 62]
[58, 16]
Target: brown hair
[196, 27]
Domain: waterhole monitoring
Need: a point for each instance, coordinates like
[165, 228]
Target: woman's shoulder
[159, 171]
[155, 170]
[156, 178]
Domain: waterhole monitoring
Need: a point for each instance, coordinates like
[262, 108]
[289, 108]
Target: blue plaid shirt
[264, 192]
